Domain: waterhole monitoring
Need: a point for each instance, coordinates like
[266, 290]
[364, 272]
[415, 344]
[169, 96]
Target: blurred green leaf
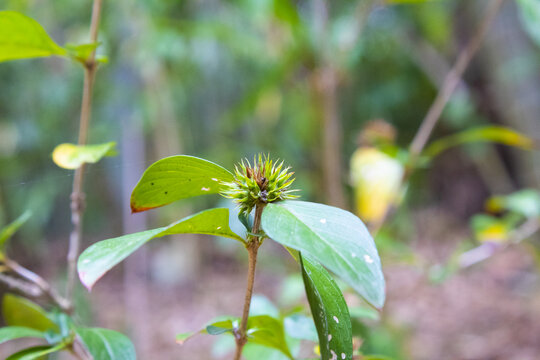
[99, 258]
[261, 305]
[490, 228]
[364, 312]
[300, 327]
[175, 178]
[529, 11]
[408, 1]
[525, 202]
[22, 37]
[329, 311]
[267, 331]
[81, 52]
[183, 337]
[18, 311]
[334, 237]
[107, 344]
[71, 156]
[7, 232]
[217, 326]
[493, 134]
[16, 332]
[36, 352]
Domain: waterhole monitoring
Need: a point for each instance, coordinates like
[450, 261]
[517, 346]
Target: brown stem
[77, 195]
[453, 79]
[253, 243]
[34, 285]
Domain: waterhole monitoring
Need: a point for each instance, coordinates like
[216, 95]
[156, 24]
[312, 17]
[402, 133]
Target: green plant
[22, 38]
[316, 235]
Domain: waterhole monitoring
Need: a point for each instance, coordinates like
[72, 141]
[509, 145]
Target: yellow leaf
[376, 178]
[71, 156]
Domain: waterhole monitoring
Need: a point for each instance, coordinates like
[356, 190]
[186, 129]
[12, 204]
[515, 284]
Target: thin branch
[20, 286]
[252, 247]
[451, 82]
[33, 285]
[77, 195]
[453, 79]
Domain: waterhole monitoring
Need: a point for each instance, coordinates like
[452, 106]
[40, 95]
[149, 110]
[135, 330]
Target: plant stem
[252, 246]
[34, 279]
[77, 195]
[452, 80]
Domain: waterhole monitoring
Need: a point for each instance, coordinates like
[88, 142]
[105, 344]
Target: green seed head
[263, 182]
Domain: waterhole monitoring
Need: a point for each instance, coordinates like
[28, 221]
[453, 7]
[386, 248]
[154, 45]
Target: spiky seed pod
[263, 182]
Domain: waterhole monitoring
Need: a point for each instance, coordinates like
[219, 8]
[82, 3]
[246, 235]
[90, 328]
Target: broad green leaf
[174, 178]
[333, 237]
[300, 327]
[267, 331]
[105, 344]
[493, 134]
[18, 311]
[36, 352]
[71, 156]
[99, 258]
[329, 311]
[8, 231]
[16, 332]
[22, 37]
[529, 11]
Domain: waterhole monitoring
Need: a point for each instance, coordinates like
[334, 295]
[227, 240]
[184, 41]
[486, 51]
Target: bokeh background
[225, 80]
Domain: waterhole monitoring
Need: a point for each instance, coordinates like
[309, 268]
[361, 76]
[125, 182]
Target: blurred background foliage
[226, 80]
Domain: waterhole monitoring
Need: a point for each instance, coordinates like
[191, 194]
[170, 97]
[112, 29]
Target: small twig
[21, 286]
[453, 79]
[525, 230]
[77, 195]
[253, 248]
[33, 282]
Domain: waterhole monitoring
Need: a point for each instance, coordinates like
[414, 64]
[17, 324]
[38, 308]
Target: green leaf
[81, 52]
[17, 332]
[364, 312]
[71, 156]
[329, 311]
[333, 237]
[36, 352]
[217, 326]
[183, 337]
[300, 327]
[99, 258]
[105, 344]
[8, 231]
[174, 178]
[18, 311]
[525, 202]
[267, 331]
[529, 11]
[492, 134]
[22, 37]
